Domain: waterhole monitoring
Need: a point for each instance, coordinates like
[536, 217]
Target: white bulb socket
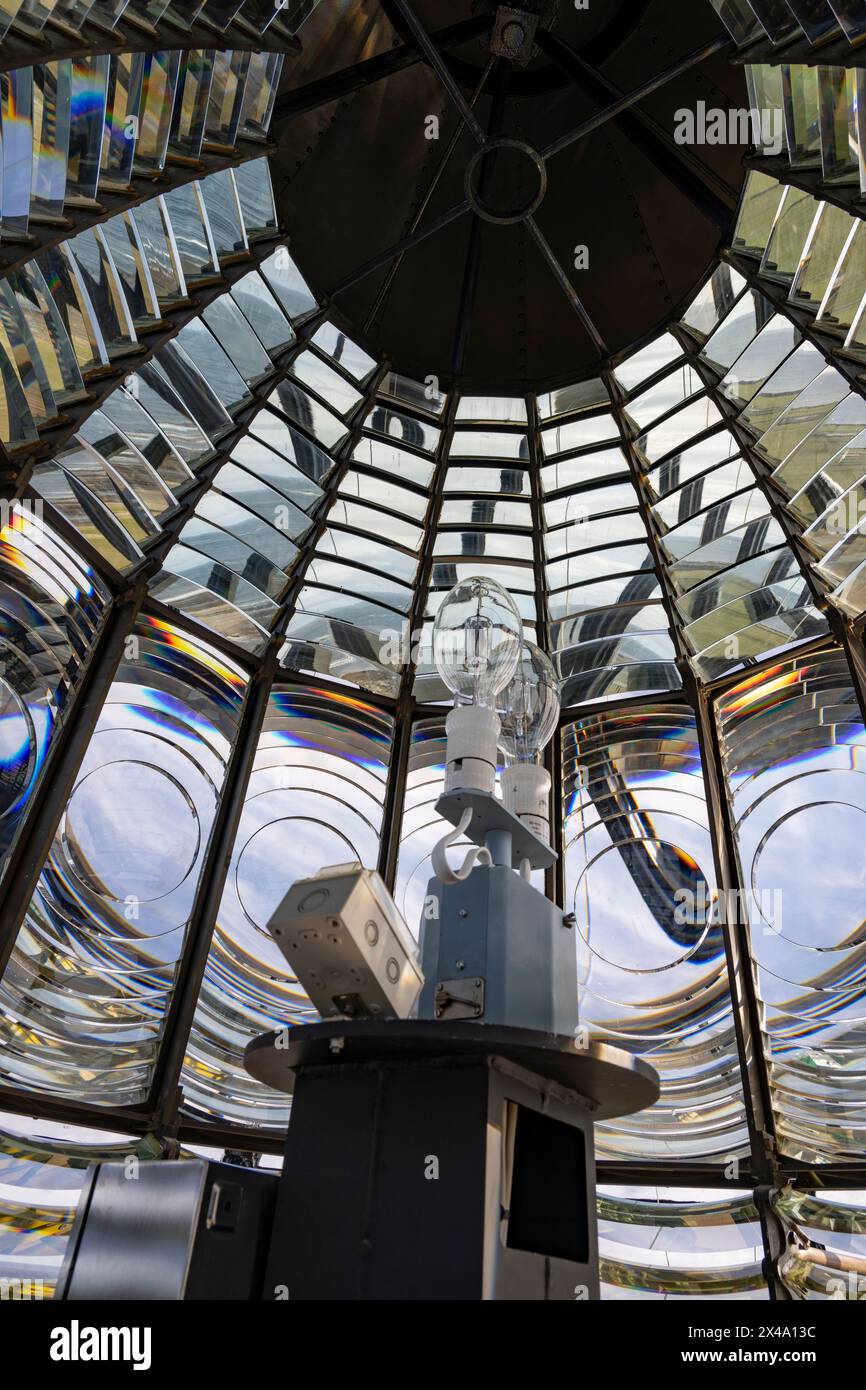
[526, 794]
[473, 740]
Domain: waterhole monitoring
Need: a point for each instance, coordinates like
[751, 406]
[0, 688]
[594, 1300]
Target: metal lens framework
[227, 532]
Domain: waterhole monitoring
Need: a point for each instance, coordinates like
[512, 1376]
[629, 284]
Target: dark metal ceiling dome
[476, 301]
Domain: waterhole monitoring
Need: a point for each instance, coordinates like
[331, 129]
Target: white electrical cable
[476, 855]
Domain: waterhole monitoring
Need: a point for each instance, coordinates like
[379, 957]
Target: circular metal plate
[611, 1081]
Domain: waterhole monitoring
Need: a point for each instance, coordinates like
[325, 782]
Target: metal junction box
[348, 945]
[496, 950]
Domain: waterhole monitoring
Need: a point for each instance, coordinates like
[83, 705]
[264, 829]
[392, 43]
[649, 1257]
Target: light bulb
[531, 706]
[531, 711]
[476, 641]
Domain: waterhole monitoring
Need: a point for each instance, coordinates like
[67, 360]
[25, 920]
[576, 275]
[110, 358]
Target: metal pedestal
[436, 1160]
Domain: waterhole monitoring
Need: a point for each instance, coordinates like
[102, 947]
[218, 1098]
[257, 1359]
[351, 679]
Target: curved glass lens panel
[315, 797]
[668, 1243]
[652, 971]
[794, 750]
[90, 979]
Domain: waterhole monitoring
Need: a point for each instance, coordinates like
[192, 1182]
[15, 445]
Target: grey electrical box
[496, 950]
[348, 945]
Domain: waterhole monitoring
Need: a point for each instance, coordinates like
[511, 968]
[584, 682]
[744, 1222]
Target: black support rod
[554, 885]
[360, 75]
[437, 62]
[398, 249]
[395, 788]
[415, 223]
[608, 113]
[678, 164]
[567, 287]
[164, 1096]
[472, 266]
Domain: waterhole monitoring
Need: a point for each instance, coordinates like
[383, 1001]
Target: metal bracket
[224, 1206]
[513, 35]
[488, 813]
[462, 998]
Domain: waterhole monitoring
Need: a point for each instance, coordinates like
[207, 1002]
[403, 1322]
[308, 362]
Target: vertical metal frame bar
[746, 1006]
[555, 875]
[628, 448]
[405, 706]
[164, 1096]
[395, 791]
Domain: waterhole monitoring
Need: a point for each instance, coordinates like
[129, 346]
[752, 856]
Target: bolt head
[513, 36]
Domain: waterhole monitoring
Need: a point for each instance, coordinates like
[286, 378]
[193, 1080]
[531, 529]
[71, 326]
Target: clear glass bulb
[476, 640]
[529, 706]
